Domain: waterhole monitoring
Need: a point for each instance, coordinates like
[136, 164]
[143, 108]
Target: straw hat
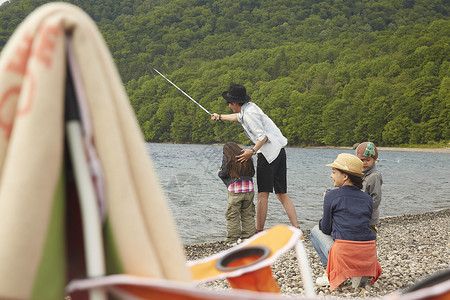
[348, 163]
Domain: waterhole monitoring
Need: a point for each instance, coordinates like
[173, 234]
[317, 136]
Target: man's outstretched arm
[226, 117]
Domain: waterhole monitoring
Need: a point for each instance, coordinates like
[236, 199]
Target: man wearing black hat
[269, 145]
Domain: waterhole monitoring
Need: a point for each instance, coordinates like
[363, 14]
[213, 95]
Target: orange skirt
[349, 259]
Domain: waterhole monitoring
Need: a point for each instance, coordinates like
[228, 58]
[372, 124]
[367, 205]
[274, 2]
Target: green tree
[397, 131]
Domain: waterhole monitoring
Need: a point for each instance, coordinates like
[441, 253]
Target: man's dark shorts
[272, 176]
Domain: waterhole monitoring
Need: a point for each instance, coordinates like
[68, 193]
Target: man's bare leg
[289, 207]
[261, 210]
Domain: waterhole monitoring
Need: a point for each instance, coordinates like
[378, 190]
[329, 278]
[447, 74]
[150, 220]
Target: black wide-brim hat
[236, 94]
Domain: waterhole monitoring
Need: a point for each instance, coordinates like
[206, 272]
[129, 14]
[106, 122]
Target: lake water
[414, 182]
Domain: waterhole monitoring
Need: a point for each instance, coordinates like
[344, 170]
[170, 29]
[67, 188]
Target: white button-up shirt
[257, 125]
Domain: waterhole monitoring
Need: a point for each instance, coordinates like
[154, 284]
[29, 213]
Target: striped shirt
[241, 186]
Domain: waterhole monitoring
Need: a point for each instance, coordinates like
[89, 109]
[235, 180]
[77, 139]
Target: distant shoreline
[433, 150]
[429, 150]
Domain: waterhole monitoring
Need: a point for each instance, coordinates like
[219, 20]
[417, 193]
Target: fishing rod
[182, 91]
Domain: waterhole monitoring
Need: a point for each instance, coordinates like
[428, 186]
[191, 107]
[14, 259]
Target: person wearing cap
[269, 147]
[372, 179]
[347, 210]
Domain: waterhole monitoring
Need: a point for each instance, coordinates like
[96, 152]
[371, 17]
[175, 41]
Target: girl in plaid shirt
[237, 176]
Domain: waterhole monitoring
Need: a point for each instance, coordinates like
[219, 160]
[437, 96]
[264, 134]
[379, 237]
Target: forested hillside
[330, 72]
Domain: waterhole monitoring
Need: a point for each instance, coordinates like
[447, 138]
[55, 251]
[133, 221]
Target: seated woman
[347, 212]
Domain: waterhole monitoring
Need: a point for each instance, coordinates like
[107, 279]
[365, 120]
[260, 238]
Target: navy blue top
[346, 214]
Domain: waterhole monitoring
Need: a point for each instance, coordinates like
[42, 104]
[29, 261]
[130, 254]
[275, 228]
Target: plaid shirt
[241, 186]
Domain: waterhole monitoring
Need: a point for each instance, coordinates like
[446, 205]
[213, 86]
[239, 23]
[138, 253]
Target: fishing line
[395, 161]
[182, 92]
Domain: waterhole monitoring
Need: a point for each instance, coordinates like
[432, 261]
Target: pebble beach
[410, 248]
